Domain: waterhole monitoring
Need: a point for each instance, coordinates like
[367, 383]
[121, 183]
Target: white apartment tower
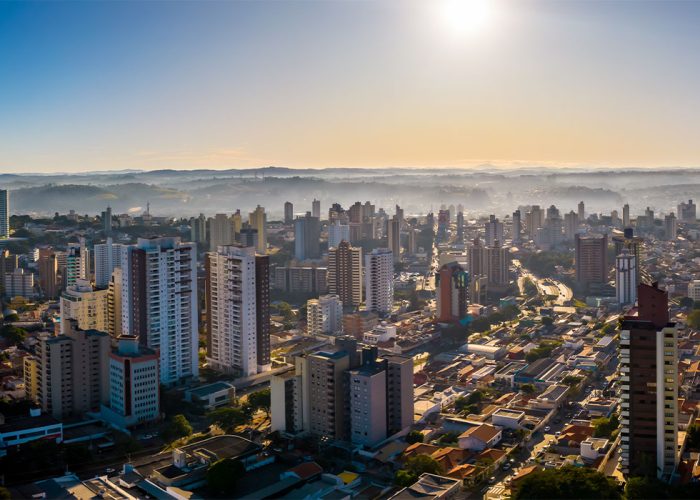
[77, 266]
[338, 232]
[159, 303]
[88, 307]
[626, 278]
[379, 281]
[221, 231]
[324, 315]
[108, 257]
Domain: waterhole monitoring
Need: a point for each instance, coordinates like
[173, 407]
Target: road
[547, 286]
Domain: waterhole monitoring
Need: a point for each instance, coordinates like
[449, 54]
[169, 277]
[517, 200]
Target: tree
[13, 334]
[566, 482]
[448, 438]
[223, 476]
[414, 467]
[603, 427]
[547, 321]
[229, 418]
[686, 302]
[260, 401]
[480, 324]
[694, 436]
[694, 319]
[571, 380]
[527, 388]
[179, 427]
[414, 437]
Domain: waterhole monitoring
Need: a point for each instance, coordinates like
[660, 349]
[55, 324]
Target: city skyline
[414, 84]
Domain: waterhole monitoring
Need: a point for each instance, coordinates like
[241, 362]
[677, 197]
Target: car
[558, 433]
[547, 429]
[506, 466]
[492, 480]
[110, 470]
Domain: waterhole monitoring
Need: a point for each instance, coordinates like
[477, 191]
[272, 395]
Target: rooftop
[206, 390]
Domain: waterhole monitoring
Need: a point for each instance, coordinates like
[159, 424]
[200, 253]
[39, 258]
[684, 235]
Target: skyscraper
[237, 297]
[307, 237]
[288, 212]
[671, 227]
[48, 273]
[159, 303]
[626, 278]
[258, 220]
[534, 220]
[316, 208]
[220, 231]
[591, 260]
[337, 232]
[494, 231]
[571, 221]
[626, 216]
[452, 287]
[393, 227]
[368, 411]
[517, 227]
[687, 212]
[4, 213]
[198, 229]
[649, 367]
[379, 281]
[627, 240]
[581, 211]
[107, 220]
[108, 256]
[324, 315]
[76, 263]
[344, 276]
[325, 393]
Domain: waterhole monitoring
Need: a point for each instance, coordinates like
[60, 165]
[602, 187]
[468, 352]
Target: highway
[547, 286]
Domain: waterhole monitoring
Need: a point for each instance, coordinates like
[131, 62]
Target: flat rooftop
[206, 390]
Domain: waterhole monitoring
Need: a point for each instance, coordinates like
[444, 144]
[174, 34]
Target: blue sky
[161, 84]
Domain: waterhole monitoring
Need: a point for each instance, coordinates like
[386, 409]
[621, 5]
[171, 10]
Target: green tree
[179, 427]
[694, 436]
[547, 321]
[414, 437]
[229, 418]
[480, 324]
[13, 334]
[527, 388]
[571, 380]
[694, 318]
[603, 427]
[260, 400]
[223, 476]
[686, 302]
[566, 482]
[414, 467]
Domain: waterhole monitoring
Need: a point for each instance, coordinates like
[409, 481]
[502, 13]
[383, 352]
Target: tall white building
[108, 257]
[4, 213]
[338, 232]
[238, 307]
[221, 231]
[494, 231]
[694, 290]
[626, 278]
[258, 220]
[324, 315]
[77, 266]
[159, 302]
[379, 281]
[90, 308]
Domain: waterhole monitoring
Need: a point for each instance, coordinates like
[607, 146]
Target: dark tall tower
[262, 309]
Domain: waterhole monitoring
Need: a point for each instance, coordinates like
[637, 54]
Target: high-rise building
[4, 213]
[534, 220]
[626, 216]
[581, 211]
[671, 227]
[379, 281]
[220, 231]
[316, 208]
[452, 287]
[88, 307]
[108, 257]
[687, 212]
[491, 262]
[694, 290]
[325, 390]
[368, 412]
[324, 315]
[159, 303]
[344, 277]
[248, 236]
[393, 227]
[114, 304]
[412, 246]
[198, 229]
[134, 390]
[48, 273]
[77, 266]
[517, 227]
[288, 212]
[626, 278]
[301, 279]
[19, 284]
[107, 220]
[494, 231]
[258, 220]
[399, 392]
[307, 237]
[634, 244]
[337, 232]
[570, 225]
[649, 381]
[237, 298]
[237, 220]
[72, 374]
[591, 259]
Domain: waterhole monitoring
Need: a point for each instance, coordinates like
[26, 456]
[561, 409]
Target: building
[571, 221]
[77, 263]
[492, 262]
[288, 212]
[581, 211]
[114, 304]
[626, 222]
[534, 219]
[344, 276]
[316, 208]
[248, 236]
[670, 227]
[108, 256]
[134, 388]
[687, 212]
[4, 213]
[107, 220]
[591, 259]
[326, 393]
[198, 229]
[212, 396]
[258, 221]
[307, 237]
[393, 231]
[357, 323]
[493, 231]
[649, 381]
[159, 303]
[379, 281]
[19, 284]
[634, 244]
[48, 273]
[452, 287]
[301, 279]
[430, 486]
[517, 227]
[88, 307]
[399, 392]
[480, 437]
[238, 302]
[338, 232]
[324, 316]
[221, 231]
[626, 278]
[71, 372]
[368, 400]
[694, 290]
[18, 430]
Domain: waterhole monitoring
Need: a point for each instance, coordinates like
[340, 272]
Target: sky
[100, 85]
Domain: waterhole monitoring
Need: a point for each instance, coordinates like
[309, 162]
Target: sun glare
[466, 17]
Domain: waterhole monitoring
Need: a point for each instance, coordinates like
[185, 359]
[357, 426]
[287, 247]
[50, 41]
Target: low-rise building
[19, 430]
[480, 437]
[211, 396]
[507, 418]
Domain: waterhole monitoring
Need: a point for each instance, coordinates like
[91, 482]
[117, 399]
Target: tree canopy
[260, 400]
[414, 437]
[414, 467]
[567, 482]
[179, 427]
[694, 319]
[229, 418]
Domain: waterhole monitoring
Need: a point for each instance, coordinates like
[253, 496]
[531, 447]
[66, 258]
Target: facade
[368, 404]
[48, 273]
[338, 232]
[307, 237]
[159, 303]
[325, 390]
[345, 273]
[694, 290]
[670, 226]
[492, 262]
[301, 279]
[581, 211]
[493, 231]
[221, 231]
[591, 259]
[626, 216]
[452, 287]
[88, 307]
[324, 316]
[198, 229]
[649, 367]
[634, 244]
[4, 213]
[237, 298]
[77, 266]
[687, 212]
[393, 231]
[626, 278]
[258, 221]
[107, 258]
[517, 227]
[134, 389]
[288, 212]
[379, 281]
[19, 284]
[71, 372]
[114, 304]
[571, 221]
[316, 208]
[399, 392]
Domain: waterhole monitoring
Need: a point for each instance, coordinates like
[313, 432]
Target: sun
[466, 17]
